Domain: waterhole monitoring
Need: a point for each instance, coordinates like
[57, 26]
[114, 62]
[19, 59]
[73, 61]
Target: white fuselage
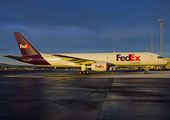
[117, 59]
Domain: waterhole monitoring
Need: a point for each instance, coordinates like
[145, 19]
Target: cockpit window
[160, 57]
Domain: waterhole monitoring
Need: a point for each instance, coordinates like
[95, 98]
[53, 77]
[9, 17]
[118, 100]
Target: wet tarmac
[50, 95]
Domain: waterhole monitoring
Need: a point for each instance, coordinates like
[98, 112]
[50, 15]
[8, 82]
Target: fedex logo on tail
[25, 46]
[130, 57]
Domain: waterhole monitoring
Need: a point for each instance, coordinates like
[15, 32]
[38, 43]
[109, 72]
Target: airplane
[87, 61]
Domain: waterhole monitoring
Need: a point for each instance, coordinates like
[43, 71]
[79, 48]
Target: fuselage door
[151, 57]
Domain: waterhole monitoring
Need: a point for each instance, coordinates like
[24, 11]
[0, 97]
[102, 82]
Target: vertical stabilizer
[26, 48]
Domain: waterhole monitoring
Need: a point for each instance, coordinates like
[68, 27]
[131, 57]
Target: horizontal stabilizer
[18, 58]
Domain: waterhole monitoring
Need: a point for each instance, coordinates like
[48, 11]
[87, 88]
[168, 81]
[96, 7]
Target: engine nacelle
[99, 66]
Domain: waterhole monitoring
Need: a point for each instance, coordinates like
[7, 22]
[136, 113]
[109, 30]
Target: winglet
[25, 46]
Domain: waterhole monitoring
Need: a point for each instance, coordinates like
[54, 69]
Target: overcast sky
[88, 26]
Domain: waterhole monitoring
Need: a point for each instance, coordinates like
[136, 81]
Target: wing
[18, 58]
[75, 59]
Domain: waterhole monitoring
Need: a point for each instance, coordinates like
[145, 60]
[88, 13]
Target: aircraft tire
[87, 72]
[80, 72]
[146, 72]
[84, 72]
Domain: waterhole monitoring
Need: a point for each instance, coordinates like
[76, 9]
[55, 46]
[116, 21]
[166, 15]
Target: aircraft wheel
[87, 72]
[80, 72]
[146, 72]
[84, 72]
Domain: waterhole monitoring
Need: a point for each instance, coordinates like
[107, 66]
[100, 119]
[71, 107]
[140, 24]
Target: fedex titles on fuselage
[130, 57]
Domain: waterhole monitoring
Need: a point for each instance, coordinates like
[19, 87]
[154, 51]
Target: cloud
[69, 38]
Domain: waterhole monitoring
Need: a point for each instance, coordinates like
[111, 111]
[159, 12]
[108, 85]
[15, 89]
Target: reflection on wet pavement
[137, 99]
[69, 96]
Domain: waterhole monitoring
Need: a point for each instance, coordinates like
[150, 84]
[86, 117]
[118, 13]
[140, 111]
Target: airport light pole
[151, 35]
[114, 49]
[147, 48]
[161, 37]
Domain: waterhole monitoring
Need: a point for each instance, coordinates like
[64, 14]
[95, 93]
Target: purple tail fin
[26, 48]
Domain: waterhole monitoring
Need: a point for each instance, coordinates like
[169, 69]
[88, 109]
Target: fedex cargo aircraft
[87, 61]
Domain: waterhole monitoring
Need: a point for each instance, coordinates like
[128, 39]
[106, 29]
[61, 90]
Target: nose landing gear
[146, 69]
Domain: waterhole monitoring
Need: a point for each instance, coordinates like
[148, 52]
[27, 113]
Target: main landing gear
[84, 72]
